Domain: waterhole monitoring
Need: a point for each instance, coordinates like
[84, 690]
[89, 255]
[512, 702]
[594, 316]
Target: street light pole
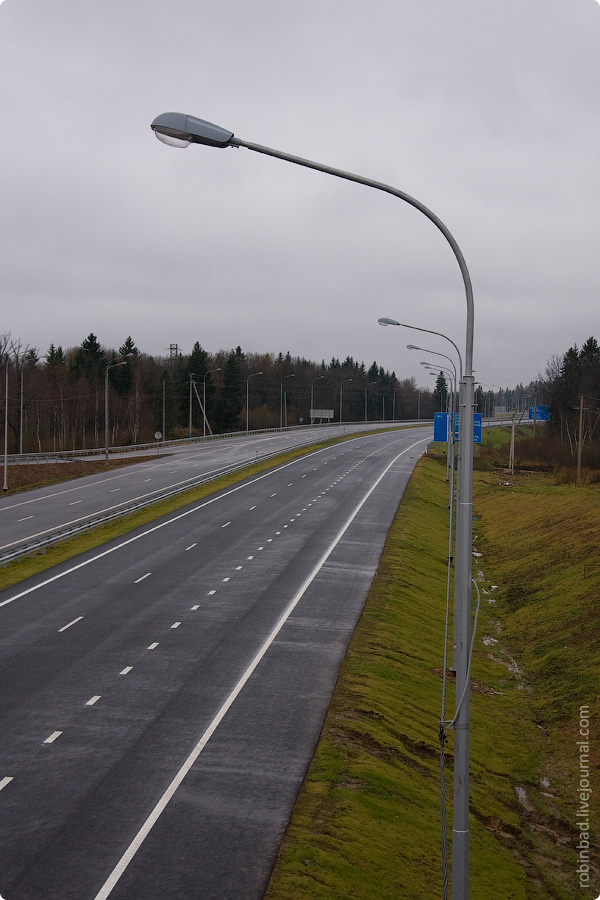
[253, 375]
[366, 389]
[181, 129]
[293, 375]
[345, 381]
[312, 395]
[108, 368]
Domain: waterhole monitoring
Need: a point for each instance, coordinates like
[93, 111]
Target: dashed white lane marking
[251, 508]
[274, 495]
[249, 557]
[290, 484]
[6, 780]
[25, 519]
[210, 593]
[196, 606]
[146, 827]
[114, 490]
[175, 624]
[74, 503]
[52, 737]
[137, 581]
[191, 547]
[226, 579]
[238, 568]
[261, 548]
[93, 700]
[68, 625]
[126, 670]
[226, 524]
[145, 480]
[153, 646]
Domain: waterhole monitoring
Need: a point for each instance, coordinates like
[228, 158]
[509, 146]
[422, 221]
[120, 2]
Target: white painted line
[277, 532]
[93, 700]
[304, 476]
[261, 548]
[210, 593]
[238, 568]
[114, 490]
[5, 781]
[52, 737]
[64, 628]
[175, 624]
[197, 606]
[249, 557]
[143, 832]
[137, 581]
[290, 484]
[251, 508]
[226, 579]
[126, 670]
[145, 480]
[226, 524]
[75, 502]
[143, 534]
[191, 547]
[153, 646]
[26, 518]
[274, 495]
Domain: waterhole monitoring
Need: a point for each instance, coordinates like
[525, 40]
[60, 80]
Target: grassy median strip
[367, 820]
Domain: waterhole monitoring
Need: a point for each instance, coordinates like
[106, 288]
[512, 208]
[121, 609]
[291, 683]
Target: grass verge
[367, 820]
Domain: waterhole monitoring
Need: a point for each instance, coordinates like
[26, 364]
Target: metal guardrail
[157, 446]
[52, 538]
[55, 537]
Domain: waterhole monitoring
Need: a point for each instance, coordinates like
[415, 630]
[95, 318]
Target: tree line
[571, 389]
[56, 400]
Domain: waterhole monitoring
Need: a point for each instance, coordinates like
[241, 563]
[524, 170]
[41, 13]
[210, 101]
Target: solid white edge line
[144, 831]
[52, 737]
[154, 528]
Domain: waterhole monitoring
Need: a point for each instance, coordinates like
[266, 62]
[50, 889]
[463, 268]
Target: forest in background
[56, 399]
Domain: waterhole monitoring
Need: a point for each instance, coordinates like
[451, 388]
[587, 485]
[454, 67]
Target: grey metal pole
[184, 128]
[292, 375]
[253, 375]
[6, 428]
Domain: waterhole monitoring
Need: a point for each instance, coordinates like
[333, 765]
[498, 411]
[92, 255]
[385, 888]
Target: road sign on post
[542, 413]
[441, 431]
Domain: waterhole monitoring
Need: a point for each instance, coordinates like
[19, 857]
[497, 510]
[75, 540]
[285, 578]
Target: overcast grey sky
[486, 112]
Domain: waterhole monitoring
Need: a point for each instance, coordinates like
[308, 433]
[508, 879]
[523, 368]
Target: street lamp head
[412, 347]
[386, 321]
[181, 130]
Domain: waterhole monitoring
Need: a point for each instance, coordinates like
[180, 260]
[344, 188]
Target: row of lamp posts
[180, 130]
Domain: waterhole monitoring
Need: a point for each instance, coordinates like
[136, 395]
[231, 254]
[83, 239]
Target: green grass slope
[367, 820]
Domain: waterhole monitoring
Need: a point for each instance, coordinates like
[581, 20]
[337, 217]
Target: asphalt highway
[32, 515]
[163, 694]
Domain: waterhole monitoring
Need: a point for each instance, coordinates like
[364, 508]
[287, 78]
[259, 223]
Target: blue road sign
[542, 414]
[440, 427]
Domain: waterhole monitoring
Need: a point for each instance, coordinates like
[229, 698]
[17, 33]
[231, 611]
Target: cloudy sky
[488, 113]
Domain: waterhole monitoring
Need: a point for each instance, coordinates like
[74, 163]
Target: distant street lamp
[312, 396]
[366, 389]
[180, 130]
[253, 375]
[293, 375]
[345, 381]
[210, 371]
[108, 368]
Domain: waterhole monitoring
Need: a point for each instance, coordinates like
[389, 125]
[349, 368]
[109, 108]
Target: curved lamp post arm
[386, 321]
[185, 129]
